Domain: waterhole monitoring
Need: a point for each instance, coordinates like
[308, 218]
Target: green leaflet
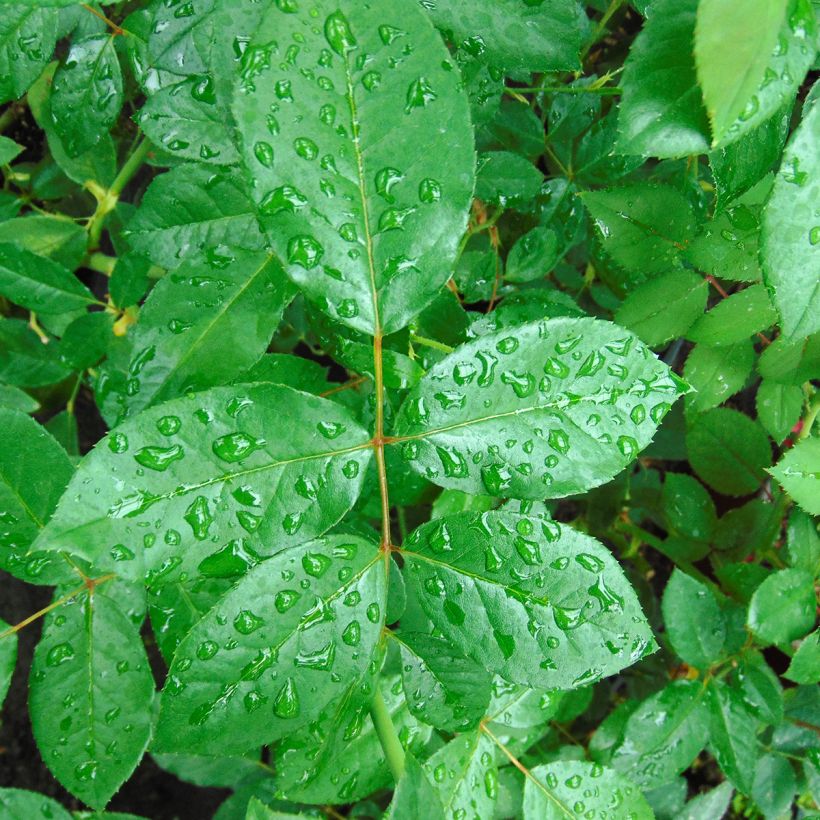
[90, 697]
[662, 113]
[18, 804]
[415, 796]
[29, 490]
[39, 284]
[219, 477]
[782, 608]
[732, 734]
[9, 149]
[202, 325]
[443, 688]
[730, 76]
[8, 658]
[464, 775]
[688, 508]
[186, 120]
[257, 667]
[554, 607]
[514, 34]
[196, 213]
[24, 360]
[644, 228]
[574, 788]
[664, 307]
[694, 622]
[790, 247]
[58, 239]
[798, 473]
[347, 762]
[20, 66]
[546, 408]
[729, 451]
[734, 319]
[87, 93]
[774, 785]
[663, 735]
[715, 373]
[778, 408]
[16, 399]
[363, 193]
[805, 665]
[710, 804]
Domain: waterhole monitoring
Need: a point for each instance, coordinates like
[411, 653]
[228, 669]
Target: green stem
[393, 751]
[423, 340]
[107, 199]
[569, 89]
[100, 262]
[809, 418]
[599, 29]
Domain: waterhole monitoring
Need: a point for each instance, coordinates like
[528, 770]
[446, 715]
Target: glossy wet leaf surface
[547, 408]
[248, 674]
[359, 145]
[91, 694]
[553, 606]
[216, 490]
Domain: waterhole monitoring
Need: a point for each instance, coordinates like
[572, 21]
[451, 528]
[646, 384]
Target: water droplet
[352, 633]
[305, 251]
[306, 148]
[386, 179]
[118, 442]
[429, 191]
[315, 564]
[159, 458]
[236, 446]
[169, 425]
[206, 650]
[497, 478]
[285, 599]
[246, 622]
[419, 94]
[199, 517]
[286, 704]
[292, 522]
[330, 429]
[59, 653]
[263, 151]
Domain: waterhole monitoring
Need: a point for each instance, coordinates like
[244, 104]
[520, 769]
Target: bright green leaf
[782, 608]
[799, 474]
[805, 665]
[732, 735]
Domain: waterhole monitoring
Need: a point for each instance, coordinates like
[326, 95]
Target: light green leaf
[732, 734]
[34, 472]
[87, 93]
[14, 398]
[24, 360]
[548, 408]
[20, 65]
[715, 373]
[9, 149]
[688, 507]
[790, 361]
[694, 621]
[301, 630]
[643, 227]
[790, 246]
[194, 213]
[662, 113]
[664, 307]
[18, 804]
[465, 776]
[415, 795]
[663, 735]
[574, 788]
[734, 319]
[803, 542]
[507, 179]
[238, 472]
[63, 241]
[798, 472]
[37, 283]
[514, 34]
[760, 688]
[805, 665]
[774, 785]
[186, 120]
[363, 190]
[782, 608]
[199, 327]
[532, 256]
[728, 451]
[554, 607]
[90, 679]
[345, 762]
[730, 76]
[711, 805]
[741, 165]
[8, 658]
[443, 688]
[778, 408]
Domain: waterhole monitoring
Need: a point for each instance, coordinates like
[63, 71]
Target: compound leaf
[90, 697]
[547, 408]
[554, 607]
[261, 665]
[364, 188]
[211, 482]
